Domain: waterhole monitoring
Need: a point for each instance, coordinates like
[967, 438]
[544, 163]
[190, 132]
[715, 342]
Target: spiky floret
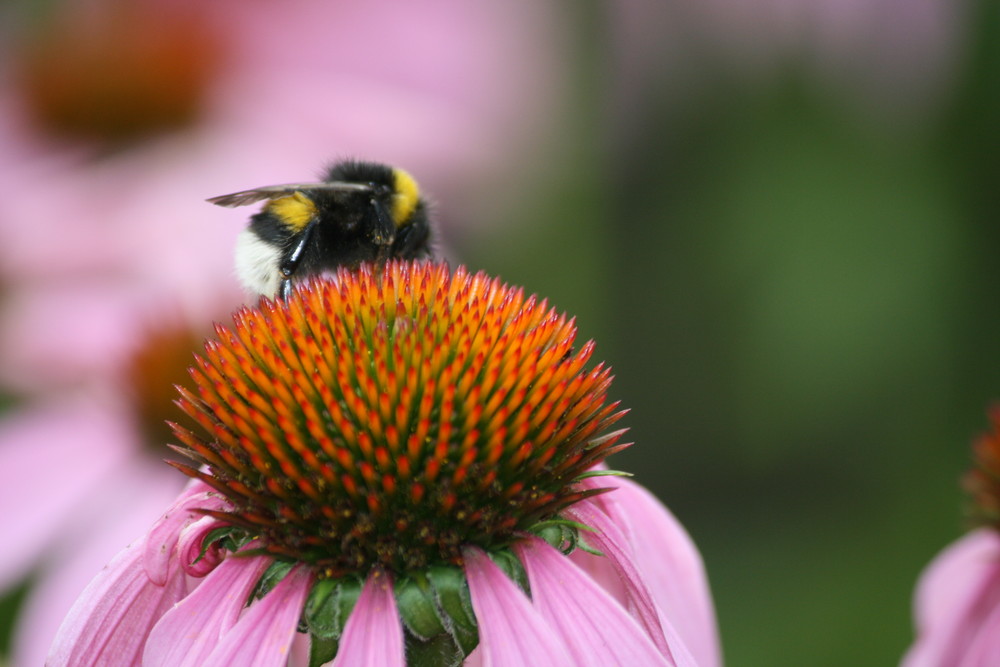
[391, 416]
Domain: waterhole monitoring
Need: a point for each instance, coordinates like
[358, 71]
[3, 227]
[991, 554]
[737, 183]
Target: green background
[798, 297]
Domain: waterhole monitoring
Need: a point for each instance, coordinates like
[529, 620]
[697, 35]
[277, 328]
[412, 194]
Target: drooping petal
[263, 635]
[512, 633]
[188, 633]
[196, 560]
[669, 564]
[609, 539]
[163, 535]
[596, 629]
[373, 635]
[113, 616]
[955, 594]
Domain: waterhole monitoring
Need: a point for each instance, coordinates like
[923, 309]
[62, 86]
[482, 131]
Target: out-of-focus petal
[958, 572]
[512, 633]
[956, 593]
[596, 629]
[35, 351]
[263, 636]
[669, 564]
[516, 48]
[187, 634]
[984, 651]
[113, 616]
[69, 448]
[373, 635]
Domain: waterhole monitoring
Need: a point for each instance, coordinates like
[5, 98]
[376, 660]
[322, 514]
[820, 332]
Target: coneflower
[400, 466]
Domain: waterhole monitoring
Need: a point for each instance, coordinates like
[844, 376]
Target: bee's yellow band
[295, 211]
[404, 201]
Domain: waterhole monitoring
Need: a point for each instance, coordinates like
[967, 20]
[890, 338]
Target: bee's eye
[380, 189]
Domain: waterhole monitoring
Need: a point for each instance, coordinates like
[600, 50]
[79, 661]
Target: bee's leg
[294, 257]
[383, 229]
[411, 241]
[285, 289]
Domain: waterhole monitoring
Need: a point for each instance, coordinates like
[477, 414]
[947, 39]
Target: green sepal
[562, 534]
[322, 650]
[452, 592]
[275, 572]
[415, 601]
[466, 640]
[551, 533]
[224, 534]
[512, 567]
[560, 522]
[320, 611]
[434, 635]
[349, 592]
[602, 473]
[582, 545]
[328, 606]
[438, 651]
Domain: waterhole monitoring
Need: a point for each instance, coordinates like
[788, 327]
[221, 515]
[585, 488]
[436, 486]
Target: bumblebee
[361, 211]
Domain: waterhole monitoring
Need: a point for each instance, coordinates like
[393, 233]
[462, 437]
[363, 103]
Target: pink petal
[36, 355]
[512, 633]
[596, 629]
[165, 532]
[984, 650]
[263, 636]
[189, 547]
[111, 619]
[956, 592]
[373, 636]
[605, 575]
[188, 633]
[669, 563]
[70, 450]
[958, 572]
[610, 540]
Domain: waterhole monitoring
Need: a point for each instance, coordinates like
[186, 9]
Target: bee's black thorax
[353, 171]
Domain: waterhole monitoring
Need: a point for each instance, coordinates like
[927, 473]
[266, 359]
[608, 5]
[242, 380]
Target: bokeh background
[778, 219]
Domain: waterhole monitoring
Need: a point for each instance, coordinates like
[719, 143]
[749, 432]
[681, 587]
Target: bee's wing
[246, 197]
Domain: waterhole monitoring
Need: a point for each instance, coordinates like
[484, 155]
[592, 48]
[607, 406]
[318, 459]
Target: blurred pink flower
[406, 421]
[92, 459]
